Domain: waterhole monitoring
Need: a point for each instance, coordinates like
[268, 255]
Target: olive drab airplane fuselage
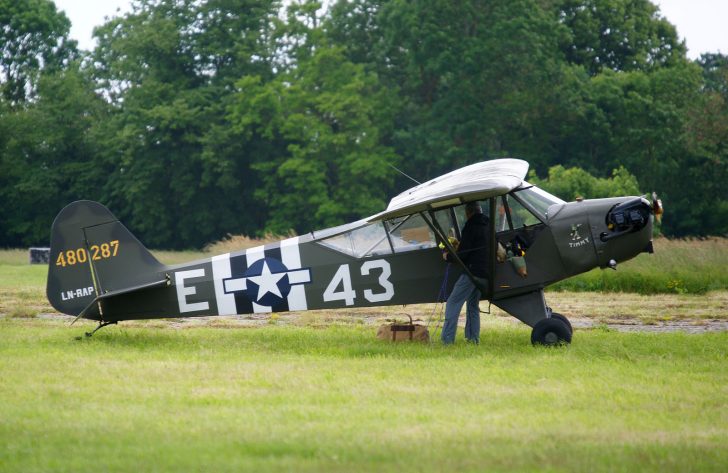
[99, 270]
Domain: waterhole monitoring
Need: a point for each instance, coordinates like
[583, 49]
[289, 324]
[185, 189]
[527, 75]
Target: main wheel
[556, 315]
[550, 332]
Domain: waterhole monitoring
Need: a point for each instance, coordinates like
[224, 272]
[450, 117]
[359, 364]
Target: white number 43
[342, 279]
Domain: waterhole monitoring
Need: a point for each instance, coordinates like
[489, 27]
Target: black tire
[550, 332]
[556, 315]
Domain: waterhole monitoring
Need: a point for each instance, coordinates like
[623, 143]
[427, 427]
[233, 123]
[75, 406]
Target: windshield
[538, 199]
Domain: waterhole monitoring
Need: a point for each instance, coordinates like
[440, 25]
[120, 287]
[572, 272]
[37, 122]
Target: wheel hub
[550, 338]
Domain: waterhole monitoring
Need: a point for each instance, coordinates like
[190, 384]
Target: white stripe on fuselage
[221, 270]
[252, 255]
[291, 257]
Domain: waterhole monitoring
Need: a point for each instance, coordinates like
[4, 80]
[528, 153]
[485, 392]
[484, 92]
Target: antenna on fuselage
[403, 173]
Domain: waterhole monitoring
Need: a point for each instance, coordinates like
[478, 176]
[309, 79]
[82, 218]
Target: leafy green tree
[197, 118]
[33, 38]
[702, 202]
[355, 25]
[45, 105]
[474, 77]
[644, 118]
[573, 183]
[331, 115]
[169, 67]
[619, 35]
[47, 156]
[715, 72]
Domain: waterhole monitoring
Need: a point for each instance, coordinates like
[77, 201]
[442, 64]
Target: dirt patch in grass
[631, 309]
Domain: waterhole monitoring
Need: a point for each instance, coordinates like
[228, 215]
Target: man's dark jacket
[473, 249]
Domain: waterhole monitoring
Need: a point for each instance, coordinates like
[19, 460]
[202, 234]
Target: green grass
[322, 394]
[303, 399]
[12, 276]
[677, 267]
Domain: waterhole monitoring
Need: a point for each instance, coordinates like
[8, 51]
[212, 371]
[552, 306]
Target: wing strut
[480, 283]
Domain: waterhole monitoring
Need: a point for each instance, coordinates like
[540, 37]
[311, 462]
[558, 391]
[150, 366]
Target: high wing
[475, 182]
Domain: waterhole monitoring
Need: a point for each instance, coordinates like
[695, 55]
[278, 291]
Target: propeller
[657, 207]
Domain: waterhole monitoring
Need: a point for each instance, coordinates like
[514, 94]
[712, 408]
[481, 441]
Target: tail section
[93, 256]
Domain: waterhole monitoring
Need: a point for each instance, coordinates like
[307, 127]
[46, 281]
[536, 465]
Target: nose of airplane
[601, 232]
[626, 217]
[622, 229]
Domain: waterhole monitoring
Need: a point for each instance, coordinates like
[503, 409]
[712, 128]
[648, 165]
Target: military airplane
[98, 270]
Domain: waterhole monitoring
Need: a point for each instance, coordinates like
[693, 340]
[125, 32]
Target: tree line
[192, 119]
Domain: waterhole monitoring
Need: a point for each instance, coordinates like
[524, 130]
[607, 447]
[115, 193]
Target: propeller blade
[657, 207]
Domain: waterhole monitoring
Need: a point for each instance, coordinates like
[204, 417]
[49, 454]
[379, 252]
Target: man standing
[473, 252]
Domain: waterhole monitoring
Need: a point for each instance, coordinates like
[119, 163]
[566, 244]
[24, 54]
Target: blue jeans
[464, 290]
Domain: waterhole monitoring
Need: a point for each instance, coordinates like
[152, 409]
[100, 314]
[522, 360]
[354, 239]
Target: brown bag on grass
[396, 332]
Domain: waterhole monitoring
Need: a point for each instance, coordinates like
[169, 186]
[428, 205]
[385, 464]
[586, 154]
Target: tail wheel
[556, 315]
[551, 332]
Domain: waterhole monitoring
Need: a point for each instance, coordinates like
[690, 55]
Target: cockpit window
[406, 233]
[512, 215]
[409, 233]
[369, 240]
[520, 216]
[459, 212]
[537, 199]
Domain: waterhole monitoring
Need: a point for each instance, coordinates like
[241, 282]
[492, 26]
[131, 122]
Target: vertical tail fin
[93, 254]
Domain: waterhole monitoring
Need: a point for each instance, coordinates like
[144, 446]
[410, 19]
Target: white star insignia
[267, 282]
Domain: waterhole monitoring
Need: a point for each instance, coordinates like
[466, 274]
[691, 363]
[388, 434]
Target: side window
[521, 216]
[369, 240]
[460, 213]
[341, 243]
[537, 199]
[512, 215]
[410, 233]
[445, 221]
[460, 217]
[407, 233]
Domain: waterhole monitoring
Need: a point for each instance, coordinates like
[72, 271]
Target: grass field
[317, 392]
[336, 399]
[676, 267]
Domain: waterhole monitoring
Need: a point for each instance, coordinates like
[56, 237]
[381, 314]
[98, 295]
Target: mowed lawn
[320, 393]
[294, 398]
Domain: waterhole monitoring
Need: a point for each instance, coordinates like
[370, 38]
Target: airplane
[98, 270]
